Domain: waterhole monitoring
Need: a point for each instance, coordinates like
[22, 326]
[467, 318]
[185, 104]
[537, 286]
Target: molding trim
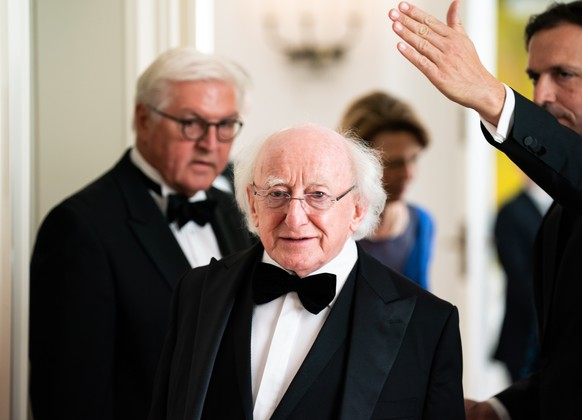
[15, 188]
[152, 26]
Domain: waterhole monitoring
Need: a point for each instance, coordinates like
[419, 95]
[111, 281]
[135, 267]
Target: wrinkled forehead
[310, 155]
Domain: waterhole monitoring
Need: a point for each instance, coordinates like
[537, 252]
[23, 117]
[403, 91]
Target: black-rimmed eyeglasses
[275, 198]
[196, 128]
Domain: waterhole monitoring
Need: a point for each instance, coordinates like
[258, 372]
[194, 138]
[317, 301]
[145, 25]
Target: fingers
[420, 30]
[419, 21]
[447, 57]
[429, 40]
[418, 48]
[454, 17]
[420, 61]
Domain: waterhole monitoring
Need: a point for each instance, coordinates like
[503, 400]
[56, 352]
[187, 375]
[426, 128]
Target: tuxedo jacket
[401, 354]
[104, 265]
[516, 226]
[551, 155]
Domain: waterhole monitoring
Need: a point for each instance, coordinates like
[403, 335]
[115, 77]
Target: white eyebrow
[272, 181]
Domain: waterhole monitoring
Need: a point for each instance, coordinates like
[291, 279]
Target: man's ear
[142, 117]
[360, 211]
[252, 206]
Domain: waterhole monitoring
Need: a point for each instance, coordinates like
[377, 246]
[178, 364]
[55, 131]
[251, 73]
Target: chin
[192, 189]
[298, 265]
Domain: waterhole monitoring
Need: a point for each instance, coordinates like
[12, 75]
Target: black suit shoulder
[517, 206]
[111, 195]
[382, 277]
[430, 344]
[217, 271]
[517, 221]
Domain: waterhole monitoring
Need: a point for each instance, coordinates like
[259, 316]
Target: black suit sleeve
[548, 152]
[72, 321]
[521, 398]
[444, 395]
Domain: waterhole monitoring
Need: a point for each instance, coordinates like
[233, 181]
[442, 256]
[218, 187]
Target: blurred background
[68, 71]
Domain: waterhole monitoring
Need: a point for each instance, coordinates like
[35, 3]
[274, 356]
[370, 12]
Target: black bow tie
[315, 292]
[182, 211]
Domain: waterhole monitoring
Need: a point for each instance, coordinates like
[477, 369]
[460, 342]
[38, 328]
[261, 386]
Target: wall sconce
[316, 36]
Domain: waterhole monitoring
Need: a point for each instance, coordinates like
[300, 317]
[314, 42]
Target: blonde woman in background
[404, 237]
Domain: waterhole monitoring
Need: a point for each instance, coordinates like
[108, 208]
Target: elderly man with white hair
[305, 324]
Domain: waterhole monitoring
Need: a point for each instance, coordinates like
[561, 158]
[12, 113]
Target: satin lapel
[223, 228]
[380, 320]
[220, 290]
[148, 224]
[332, 335]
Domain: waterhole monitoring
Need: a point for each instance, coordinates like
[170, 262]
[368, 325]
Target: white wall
[81, 120]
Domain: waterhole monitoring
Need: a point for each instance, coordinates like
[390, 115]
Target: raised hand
[447, 57]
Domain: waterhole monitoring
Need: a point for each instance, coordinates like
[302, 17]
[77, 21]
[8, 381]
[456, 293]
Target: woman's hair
[378, 112]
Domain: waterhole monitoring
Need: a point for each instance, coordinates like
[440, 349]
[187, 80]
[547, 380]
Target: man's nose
[544, 91]
[296, 212]
[210, 140]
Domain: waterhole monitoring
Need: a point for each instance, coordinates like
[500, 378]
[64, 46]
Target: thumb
[454, 17]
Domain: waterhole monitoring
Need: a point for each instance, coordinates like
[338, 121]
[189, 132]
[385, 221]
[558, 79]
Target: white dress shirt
[283, 332]
[198, 243]
[505, 123]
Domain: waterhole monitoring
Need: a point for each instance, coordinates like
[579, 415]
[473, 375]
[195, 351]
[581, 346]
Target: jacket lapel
[379, 324]
[221, 288]
[148, 223]
[332, 335]
[230, 238]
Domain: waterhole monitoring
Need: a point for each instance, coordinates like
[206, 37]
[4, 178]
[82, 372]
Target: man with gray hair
[305, 324]
[107, 259]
